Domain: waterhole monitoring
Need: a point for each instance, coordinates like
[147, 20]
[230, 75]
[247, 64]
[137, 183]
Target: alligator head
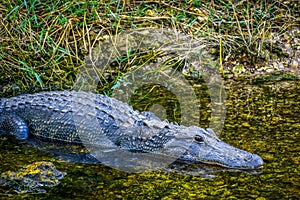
[202, 145]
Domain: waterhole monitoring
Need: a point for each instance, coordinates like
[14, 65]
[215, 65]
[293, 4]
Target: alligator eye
[199, 139]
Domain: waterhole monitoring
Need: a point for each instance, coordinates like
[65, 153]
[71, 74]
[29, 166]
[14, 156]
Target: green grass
[44, 43]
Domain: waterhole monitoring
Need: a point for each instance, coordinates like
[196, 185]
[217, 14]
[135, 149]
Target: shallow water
[262, 118]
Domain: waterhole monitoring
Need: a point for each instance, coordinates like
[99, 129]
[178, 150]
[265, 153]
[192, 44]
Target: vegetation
[44, 43]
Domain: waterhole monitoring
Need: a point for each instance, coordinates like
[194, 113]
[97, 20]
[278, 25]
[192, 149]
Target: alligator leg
[13, 125]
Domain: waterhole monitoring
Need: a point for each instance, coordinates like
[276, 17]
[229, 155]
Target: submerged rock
[34, 178]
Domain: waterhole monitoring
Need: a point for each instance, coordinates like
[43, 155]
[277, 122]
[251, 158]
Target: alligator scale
[93, 119]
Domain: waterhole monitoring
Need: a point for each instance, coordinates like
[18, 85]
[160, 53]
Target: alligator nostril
[255, 160]
[258, 159]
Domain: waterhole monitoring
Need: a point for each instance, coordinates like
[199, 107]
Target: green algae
[262, 119]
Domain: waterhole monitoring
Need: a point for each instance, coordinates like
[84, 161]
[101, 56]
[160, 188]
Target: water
[262, 117]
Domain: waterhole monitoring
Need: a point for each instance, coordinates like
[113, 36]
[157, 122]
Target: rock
[35, 178]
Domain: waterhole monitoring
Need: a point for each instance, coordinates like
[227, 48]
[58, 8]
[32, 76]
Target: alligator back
[77, 117]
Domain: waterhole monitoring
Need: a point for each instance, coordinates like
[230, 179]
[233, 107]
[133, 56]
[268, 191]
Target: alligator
[95, 119]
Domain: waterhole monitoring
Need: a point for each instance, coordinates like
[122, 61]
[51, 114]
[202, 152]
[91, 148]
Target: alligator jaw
[213, 151]
[239, 160]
